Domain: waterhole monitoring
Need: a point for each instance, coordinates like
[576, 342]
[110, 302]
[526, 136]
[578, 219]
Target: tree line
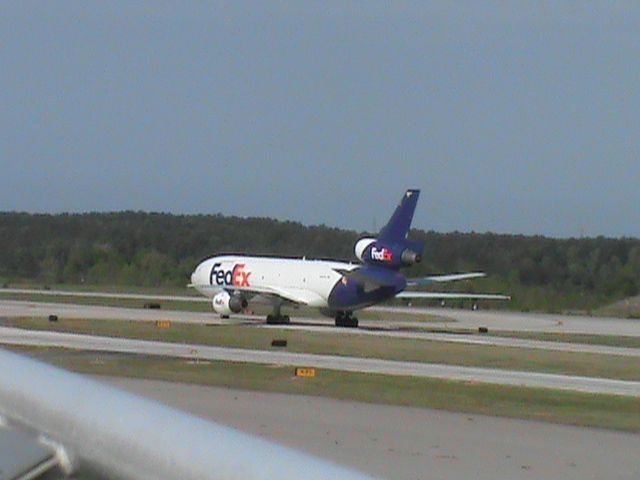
[157, 249]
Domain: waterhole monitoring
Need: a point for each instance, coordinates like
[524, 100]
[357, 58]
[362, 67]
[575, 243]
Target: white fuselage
[309, 281]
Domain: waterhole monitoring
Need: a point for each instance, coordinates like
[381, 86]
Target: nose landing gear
[346, 319]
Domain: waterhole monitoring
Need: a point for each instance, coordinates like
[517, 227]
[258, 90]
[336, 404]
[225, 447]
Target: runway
[527, 322]
[129, 296]
[19, 308]
[15, 308]
[409, 443]
[14, 336]
[498, 320]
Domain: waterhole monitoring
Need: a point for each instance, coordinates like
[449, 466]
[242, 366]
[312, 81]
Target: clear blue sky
[510, 116]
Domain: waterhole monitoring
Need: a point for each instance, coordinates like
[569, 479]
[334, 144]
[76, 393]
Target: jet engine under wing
[452, 295]
[444, 278]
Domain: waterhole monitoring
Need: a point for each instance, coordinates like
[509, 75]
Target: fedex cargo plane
[336, 288]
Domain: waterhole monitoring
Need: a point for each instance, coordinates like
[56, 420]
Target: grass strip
[353, 344]
[573, 408]
[583, 338]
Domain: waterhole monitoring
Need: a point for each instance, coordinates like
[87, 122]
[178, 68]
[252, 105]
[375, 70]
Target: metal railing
[125, 436]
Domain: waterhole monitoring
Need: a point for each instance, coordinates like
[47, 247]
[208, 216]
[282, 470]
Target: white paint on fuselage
[309, 279]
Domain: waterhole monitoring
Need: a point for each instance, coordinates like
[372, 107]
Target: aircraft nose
[194, 276]
[200, 275]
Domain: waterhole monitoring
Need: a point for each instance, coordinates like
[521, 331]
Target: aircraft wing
[444, 278]
[368, 277]
[452, 296]
[56, 423]
[23, 456]
[297, 296]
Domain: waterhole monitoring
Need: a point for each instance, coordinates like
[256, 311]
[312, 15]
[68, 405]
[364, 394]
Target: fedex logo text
[236, 277]
[382, 254]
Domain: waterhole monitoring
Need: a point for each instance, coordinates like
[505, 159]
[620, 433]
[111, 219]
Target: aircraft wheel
[346, 321]
[278, 319]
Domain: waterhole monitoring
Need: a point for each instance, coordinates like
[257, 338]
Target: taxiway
[409, 443]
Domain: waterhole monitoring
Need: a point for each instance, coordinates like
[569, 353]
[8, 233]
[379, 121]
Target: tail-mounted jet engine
[409, 257]
[361, 246]
[226, 304]
[371, 251]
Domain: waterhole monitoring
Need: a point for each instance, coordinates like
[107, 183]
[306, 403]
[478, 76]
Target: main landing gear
[277, 318]
[346, 319]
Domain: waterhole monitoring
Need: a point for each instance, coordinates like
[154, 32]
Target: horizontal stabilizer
[452, 296]
[444, 278]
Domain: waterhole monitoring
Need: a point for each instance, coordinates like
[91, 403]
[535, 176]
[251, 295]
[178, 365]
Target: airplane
[336, 288]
